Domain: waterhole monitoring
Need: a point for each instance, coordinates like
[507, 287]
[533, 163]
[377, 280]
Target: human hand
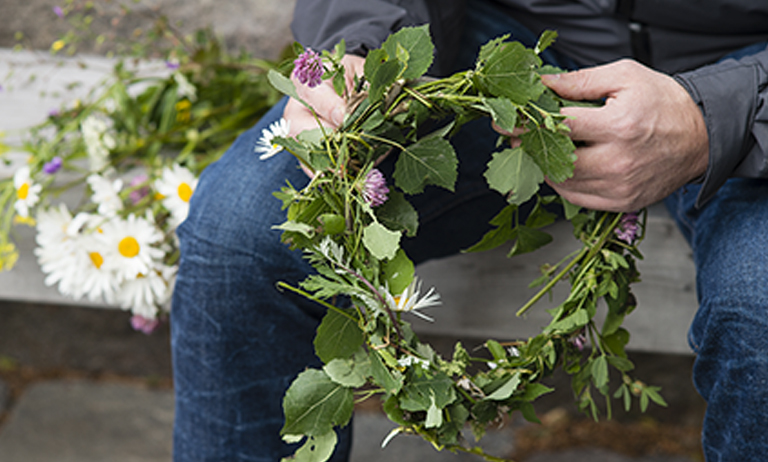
[329, 107]
[645, 142]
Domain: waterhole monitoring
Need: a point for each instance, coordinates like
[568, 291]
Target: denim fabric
[728, 334]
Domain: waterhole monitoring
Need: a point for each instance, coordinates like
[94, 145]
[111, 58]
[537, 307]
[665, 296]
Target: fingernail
[337, 116]
[549, 77]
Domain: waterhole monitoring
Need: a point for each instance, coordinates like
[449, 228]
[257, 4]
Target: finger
[325, 101]
[588, 84]
[301, 118]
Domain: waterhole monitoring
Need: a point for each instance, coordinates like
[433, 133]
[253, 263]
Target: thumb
[587, 84]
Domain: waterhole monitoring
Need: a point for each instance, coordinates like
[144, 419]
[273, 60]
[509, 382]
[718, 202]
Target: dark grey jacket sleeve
[733, 96]
[365, 24]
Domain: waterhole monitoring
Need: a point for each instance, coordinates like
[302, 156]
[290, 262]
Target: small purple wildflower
[579, 341]
[54, 113]
[53, 166]
[309, 68]
[375, 189]
[138, 194]
[628, 227]
[145, 325]
[172, 64]
[58, 11]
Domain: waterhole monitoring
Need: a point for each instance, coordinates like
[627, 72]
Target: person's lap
[238, 341]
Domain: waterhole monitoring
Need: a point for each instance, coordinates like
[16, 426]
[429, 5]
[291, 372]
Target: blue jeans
[238, 342]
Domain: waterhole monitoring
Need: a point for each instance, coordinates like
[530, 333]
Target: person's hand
[328, 105]
[646, 141]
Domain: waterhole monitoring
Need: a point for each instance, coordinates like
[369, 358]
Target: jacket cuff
[726, 93]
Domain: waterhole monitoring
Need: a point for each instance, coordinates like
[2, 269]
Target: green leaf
[513, 171]
[528, 240]
[390, 381]
[547, 38]
[570, 210]
[552, 151]
[381, 69]
[417, 50]
[534, 390]
[617, 341]
[314, 404]
[398, 272]
[332, 223]
[421, 392]
[653, 393]
[434, 416]
[284, 85]
[503, 233]
[488, 50]
[381, 242]
[338, 336]
[398, 214]
[497, 351]
[600, 371]
[570, 323]
[510, 71]
[503, 112]
[351, 373]
[529, 413]
[506, 390]
[430, 161]
[622, 364]
[315, 449]
[296, 227]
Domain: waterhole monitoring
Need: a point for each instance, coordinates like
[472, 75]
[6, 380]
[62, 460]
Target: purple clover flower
[58, 11]
[54, 113]
[138, 194]
[628, 227]
[53, 166]
[172, 64]
[375, 189]
[579, 341]
[145, 325]
[309, 68]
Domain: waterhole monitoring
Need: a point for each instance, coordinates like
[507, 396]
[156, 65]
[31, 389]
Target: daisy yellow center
[128, 247]
[23, 191]
[185, 192]
[97, 259]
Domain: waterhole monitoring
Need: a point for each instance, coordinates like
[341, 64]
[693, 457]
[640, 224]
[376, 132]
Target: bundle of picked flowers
[349, 221]
[133, 151]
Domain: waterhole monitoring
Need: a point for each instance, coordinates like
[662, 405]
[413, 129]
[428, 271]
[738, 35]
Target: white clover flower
[184, 88]
[410, 302]
[98, 142]
[27, 192]
[177, 184]
[145, 295]
[131, 246]
[407, 361]
[265, 146]
[106, 194]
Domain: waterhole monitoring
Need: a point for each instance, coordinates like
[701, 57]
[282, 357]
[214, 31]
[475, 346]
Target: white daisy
[177, 184]
[146, 294]
[98, 142]
[131, 245]
[97, 280]
[184, 89]
[106, 194]
[27, 192]
[265, 146]
[409, 300]
[56, 248]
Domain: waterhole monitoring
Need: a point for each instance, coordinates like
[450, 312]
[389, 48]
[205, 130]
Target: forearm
[733, 97]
